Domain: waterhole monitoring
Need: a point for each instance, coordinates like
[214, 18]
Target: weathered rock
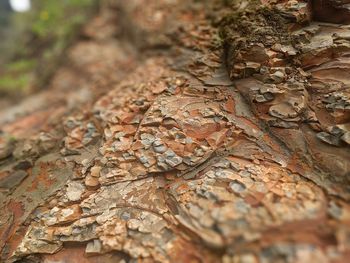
[74, 191]
[173, 161]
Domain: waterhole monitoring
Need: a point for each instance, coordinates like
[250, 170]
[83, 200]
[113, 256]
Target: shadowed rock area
[186, 131]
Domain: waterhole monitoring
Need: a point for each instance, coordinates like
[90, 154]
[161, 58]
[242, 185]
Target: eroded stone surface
[183, 159]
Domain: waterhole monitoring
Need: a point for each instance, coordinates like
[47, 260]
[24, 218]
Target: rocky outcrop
[222, 135]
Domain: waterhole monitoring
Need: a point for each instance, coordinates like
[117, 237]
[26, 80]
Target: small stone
[95, 171]
[269, 96]
[278, 76]
[328, 138]
[282, 110]
[161, 163]
[119, 135]
[199, 152]
[6, 148]
[283, 124]
[244, 173]
[172, 159]
[169, 153]
[85, 162]
[75, 191]
[159, 147]
[188, 140]
[104, 160]
[237, 187]
[147, 160]
[63, 216]
[93, 247]
[91, 181]
[133, 224]
[147, 139]
[335, 130]
[125, 216]
[260, 98]
[289, 50]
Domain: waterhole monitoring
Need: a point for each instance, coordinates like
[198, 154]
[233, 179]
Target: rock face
[169, 145]
[333, 11]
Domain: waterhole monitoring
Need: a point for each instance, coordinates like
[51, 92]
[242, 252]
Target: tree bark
[185, 131]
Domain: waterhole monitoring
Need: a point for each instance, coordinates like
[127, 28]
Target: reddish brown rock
[180, 149]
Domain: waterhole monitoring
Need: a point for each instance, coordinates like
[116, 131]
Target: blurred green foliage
[17, 75]
[11, 83]
[35, 42]
[20, 65]
[56, 19]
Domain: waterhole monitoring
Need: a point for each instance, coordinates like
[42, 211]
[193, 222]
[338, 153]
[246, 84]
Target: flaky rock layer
[188, 131]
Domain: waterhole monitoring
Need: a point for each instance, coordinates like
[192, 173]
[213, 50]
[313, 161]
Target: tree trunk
[185, 131]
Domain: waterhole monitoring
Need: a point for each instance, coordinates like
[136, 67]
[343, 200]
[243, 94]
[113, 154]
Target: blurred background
[34, 35]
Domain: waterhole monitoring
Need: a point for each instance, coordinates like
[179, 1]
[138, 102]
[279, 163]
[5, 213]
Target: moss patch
[257, 24]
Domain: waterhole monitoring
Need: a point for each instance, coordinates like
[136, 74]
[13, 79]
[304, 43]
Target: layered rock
[231, 149]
